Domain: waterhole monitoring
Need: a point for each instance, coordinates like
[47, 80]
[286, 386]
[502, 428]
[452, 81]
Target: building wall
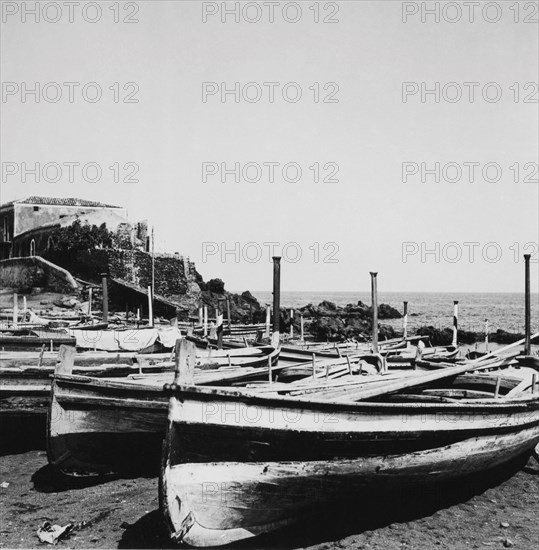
[6, 232]
[22, 246]
[28, 216]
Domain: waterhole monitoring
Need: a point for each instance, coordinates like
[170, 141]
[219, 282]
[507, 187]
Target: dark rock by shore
[244, 307]
[443, 337]
[331, 322]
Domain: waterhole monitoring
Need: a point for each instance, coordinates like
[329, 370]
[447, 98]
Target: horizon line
[392, 291]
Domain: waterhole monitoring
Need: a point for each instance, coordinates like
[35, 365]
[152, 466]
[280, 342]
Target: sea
[501, 310]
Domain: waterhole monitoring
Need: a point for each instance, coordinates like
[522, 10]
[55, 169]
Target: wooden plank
[185, 354]
[66, 359]
[426, 378]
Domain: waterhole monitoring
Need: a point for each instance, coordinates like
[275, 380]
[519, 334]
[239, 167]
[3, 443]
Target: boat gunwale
[208, 393]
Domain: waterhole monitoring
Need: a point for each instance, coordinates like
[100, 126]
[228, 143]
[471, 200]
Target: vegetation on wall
[78, 236]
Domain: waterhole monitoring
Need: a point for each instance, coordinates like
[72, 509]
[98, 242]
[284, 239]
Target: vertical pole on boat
[270, 380]
[66, 360]
[405, 321]
[15, 310]
[301, 328]
[24, 305]
[268, 321]
[349, 364]
[527, 309]
[276, 299]
[205, 332]
[497, 389]
[374, 299]
[150, 306]
[455, 322]
[90, 292]
[291, 323]
[229, 319]
[105, 291]
[200, 316]
[219, 326]
[486, 335]
[185, 355]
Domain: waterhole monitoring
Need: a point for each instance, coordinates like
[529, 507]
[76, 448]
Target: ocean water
[503, 310]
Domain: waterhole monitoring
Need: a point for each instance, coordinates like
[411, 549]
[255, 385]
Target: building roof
[56, 201]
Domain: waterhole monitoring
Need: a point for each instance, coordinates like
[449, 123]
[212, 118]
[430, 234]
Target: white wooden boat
[238, 465]
[212, 358]
[116, 426]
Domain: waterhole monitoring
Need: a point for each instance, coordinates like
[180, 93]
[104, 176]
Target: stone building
[26, 224]
[28, 227]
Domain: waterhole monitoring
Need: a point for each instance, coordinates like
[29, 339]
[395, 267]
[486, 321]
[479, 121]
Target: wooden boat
[230, 477]
[98, 426]
[495, 362]
[90, 326]
[448, 353]
[44, 358]
[25, 393]
[105, 426]
[238, 465]
[531, 361]
[35, 339]
[26, 389]
[344, 348]
[209, 358]
[409, 356]
[205, 343]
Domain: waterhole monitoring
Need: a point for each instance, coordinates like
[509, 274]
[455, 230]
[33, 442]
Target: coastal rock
[504, 337]
[385, 311]
[244, 308]
[330, 322]
[444, 337]
[327, 328]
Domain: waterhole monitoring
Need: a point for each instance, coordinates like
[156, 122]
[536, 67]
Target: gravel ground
[497, 511]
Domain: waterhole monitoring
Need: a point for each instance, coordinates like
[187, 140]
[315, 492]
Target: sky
[164, 131]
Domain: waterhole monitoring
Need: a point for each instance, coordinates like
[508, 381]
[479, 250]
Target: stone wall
[27, 273]
[176, 277]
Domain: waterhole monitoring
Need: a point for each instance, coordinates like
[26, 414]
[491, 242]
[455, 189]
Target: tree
[78, 236]
[216, 285]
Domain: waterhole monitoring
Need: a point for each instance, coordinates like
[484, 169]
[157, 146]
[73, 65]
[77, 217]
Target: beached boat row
[247, 439]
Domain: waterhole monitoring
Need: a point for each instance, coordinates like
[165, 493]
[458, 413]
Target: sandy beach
[496, 511]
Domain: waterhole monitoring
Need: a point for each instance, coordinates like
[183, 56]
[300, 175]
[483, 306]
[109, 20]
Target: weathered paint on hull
[228, 501]
[261, 474]
[90, 433]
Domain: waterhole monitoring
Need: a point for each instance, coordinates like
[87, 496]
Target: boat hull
[105, 428]
[269, 463]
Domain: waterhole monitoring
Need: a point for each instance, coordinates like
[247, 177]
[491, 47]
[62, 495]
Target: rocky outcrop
[244, 308]
[443, 337]
[327, 321]
[385, 311]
